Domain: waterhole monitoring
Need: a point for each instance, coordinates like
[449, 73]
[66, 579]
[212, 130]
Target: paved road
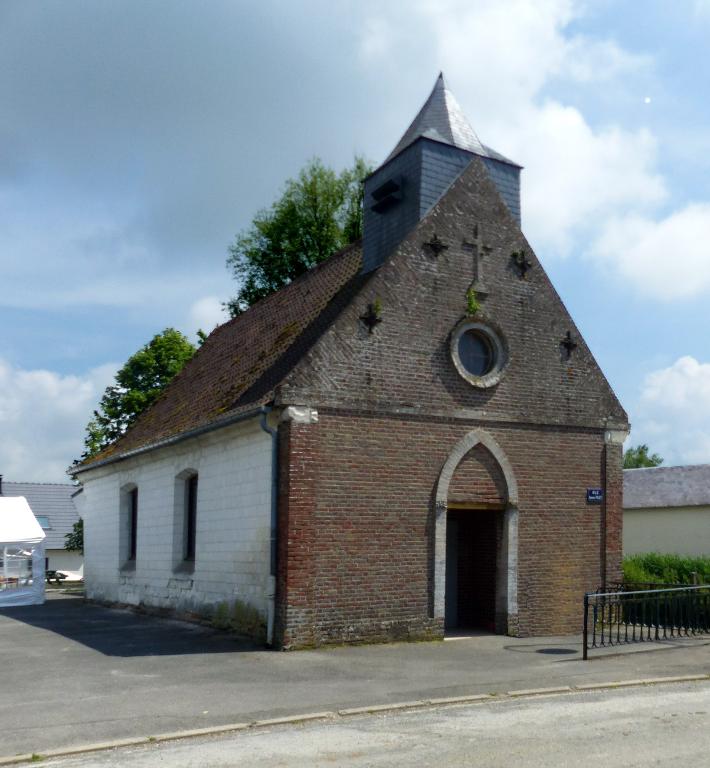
[74, 673]
[666, 725]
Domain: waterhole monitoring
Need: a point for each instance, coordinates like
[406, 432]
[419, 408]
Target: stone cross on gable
[478, 250]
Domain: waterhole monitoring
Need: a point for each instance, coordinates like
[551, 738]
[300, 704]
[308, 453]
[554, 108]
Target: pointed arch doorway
[476, 543]
[474, 534]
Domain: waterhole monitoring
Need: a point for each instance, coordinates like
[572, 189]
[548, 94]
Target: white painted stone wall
[61, 560]
[676, 530]
[233, 523]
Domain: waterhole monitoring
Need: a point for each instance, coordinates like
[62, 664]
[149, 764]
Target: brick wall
[478, 479]
[357, 525]
[405, 365]
[393, 406]
[614, 502]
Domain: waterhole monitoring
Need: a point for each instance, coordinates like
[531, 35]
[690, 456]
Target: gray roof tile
[687, 486]
[442, 119]
[54, 500]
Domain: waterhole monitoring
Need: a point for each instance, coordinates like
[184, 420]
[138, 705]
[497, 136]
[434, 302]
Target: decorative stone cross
[478, 250]
[569, 344]
[521, 262]
[436, 245]
[371, 318]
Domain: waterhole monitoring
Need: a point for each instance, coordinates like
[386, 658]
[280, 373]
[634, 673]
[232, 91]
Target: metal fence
[632, 615]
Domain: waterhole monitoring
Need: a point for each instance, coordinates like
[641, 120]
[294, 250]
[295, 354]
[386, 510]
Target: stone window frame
[128, 532]
[500, 353]
[182, 563]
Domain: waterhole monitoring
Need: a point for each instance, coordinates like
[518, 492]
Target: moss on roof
[238, 365]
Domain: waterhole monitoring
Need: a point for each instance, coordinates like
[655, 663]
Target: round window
[478, 353]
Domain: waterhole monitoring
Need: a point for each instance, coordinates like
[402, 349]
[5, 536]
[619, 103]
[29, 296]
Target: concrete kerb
[539, 691]
[216, 730]
[642, 681]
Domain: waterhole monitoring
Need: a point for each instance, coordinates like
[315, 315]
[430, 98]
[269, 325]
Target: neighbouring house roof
[667, 487]
[242, 361]
[50, 500]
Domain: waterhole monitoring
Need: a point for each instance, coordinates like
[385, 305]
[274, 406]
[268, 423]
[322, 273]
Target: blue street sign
[595, 495]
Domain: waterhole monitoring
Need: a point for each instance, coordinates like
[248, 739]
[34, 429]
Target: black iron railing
[644, 615]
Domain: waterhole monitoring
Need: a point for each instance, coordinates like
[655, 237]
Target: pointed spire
[441, 119]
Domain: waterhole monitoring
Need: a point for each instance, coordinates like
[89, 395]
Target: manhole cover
[556, 651]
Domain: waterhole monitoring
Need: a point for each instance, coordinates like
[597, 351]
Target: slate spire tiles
[441, 119]
[434, 151]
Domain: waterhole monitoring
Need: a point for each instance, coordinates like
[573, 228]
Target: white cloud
[206, 313]
[597, 184]
[506, 51]
[665, 259]
[588, 60]
[500, 56]
[376, 38]
[673, 414]
[42, 419]
[576, 177]
[90, 259]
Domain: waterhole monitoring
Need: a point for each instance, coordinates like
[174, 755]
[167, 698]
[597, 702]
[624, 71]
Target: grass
[658, 568]
[242, 619]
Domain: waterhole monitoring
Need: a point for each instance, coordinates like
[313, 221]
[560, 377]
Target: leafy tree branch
[319, 212]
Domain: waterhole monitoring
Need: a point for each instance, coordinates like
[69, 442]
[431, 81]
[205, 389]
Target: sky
[138, 138]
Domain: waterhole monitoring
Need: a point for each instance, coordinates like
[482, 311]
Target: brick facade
[478, 479]
[357, 522]
[358, 495]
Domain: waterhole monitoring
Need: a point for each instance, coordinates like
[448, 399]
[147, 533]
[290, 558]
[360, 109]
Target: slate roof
[442, 119]
[54, 500]
[243, 360]
[687, 486]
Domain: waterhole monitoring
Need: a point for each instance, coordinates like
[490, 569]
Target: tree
[319, 213]
[74, 541]
[637, 456]
[138, 383]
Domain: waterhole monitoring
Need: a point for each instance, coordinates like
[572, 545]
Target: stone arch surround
[507, 575]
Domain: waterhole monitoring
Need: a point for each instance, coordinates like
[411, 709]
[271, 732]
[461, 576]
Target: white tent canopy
[21, 553]
[17, 523]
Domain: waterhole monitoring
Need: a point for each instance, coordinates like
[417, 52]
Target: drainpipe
[271, 590]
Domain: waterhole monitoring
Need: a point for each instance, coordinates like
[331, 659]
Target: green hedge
[655, 568]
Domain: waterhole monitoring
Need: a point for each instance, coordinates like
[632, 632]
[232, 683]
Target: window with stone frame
[128, 539]
[190, 536]
[185, 521]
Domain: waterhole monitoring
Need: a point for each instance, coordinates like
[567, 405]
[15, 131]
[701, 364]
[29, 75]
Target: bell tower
[431, 154]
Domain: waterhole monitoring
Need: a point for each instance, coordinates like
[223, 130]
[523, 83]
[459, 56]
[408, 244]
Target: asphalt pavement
[629, 728]
[74, 673]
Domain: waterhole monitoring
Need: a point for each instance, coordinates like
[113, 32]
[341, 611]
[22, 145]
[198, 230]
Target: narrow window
[190, 516]
[132, 523]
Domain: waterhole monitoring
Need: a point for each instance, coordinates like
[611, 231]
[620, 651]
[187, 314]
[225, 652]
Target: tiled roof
[242, 361]
[667, 487]
[53, 500]
[442, 119]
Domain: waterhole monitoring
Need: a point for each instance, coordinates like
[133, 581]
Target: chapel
[410, 439]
